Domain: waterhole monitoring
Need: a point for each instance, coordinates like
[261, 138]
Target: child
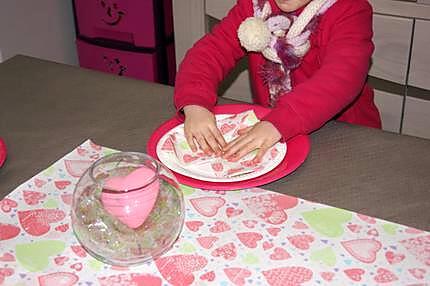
[308, 61]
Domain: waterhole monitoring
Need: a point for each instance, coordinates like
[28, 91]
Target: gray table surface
[47, 109]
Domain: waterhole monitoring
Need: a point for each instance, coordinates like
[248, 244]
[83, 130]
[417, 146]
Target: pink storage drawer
[125, 63]
[130, 21]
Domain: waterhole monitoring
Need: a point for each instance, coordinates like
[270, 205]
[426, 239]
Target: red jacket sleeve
[210, 59]
[342, 74]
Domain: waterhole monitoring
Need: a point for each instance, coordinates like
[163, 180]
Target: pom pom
[254, 35]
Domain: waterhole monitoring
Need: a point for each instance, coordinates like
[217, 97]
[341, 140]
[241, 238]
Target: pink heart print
[385, 276]
[291, 276]
[355, 228]
[79, 250]
[249, 239]
[220, 226]
[364, 250]
[4, 273]
[60, 260]
[354, 274]
[237, 275]
[207, 241]
[250, 223]
[327, 276]
[301, 241]
[7, 257]
[227, 251]
[207, 206]
[394, 258]
[33, 198]
[58, 278]
[418, 273]
[271, 207]
[8, 231]
[62, 184]
[39, 183]
[130, 279]
[267, 245]
[231, 212]
[178, 269]
[76, 168]
[37, 222]
[194, 225]
[279, 253]
[419, 247]
[7, 205]
[209, 276]
[274, 231]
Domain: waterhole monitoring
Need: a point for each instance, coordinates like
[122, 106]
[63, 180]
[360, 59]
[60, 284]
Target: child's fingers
[237, 147]
[261, 152]
[190, 140]
[218, 137]
[213, 144]
[244, 130]
[203, 145]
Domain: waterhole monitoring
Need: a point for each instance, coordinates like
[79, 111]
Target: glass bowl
[127, 209]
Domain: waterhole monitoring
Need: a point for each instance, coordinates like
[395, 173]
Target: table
[47, 109]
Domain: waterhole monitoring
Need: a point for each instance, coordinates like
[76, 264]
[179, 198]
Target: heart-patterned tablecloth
[246, 237]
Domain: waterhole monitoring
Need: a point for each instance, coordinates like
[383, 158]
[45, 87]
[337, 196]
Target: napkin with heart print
[205, 165]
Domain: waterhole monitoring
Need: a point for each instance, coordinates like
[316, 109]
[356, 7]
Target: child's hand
[200, 124]
[262, 136]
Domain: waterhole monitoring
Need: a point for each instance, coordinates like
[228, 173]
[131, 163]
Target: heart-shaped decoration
[79, 250]
[33, 198]
[394, 258]
[5, 272]
[227, 251]
[209, 276]
[250, 223]
[274, 231]
[76, 266]
[39, 183]
[327, 276]
[328, 221]
[8, 231]
[131, 198]
[373, 232]
[355, 274]
[385, 276]
[217, 166]
[207, 241]
[62, 227]
[418, 273]
[76, 168]
[325, 256]
[299, 225]
[60, 260]
[178, 269]
[364, 250]
[301, 241]
[37, 222]
[355, 228]
[267, 245]
[207, 206]
[419, 247]
[7, 205]
[231, 212]
[225, 128]
[413, 230]
[34, 256]
[7, 257]
[291, 276]
[67, 199]
[220, 226]
[61, 185]
[366, 218]
[237, 275]
[130, 279]
[194, 225]
[249, 239]
[271, 207]
[279, 254]
[58, 279]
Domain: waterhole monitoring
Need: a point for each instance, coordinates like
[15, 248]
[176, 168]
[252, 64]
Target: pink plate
[298, 149]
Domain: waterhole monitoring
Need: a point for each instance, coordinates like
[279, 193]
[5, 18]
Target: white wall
[42, 28]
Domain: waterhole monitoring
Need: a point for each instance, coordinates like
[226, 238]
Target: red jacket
[329, 83]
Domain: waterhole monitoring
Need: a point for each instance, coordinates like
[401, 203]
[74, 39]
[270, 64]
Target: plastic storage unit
[132, 38]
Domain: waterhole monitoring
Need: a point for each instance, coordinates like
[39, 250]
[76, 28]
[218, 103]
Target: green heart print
[328, 221]
[34, 256]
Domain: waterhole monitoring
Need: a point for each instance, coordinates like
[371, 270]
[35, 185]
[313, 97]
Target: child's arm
[203, 68]
[333, 87]
[340, 79]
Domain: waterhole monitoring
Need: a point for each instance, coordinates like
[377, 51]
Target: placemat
[245, 237]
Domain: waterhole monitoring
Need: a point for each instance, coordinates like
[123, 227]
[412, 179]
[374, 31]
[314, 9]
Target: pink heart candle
[131, 198]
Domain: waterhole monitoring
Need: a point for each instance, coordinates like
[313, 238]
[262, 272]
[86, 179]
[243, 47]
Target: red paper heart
[36, 222]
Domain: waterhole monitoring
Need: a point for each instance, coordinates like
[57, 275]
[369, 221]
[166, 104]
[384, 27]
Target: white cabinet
[392, 41]
[390, 109]
[416, 120]
[419, 75]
